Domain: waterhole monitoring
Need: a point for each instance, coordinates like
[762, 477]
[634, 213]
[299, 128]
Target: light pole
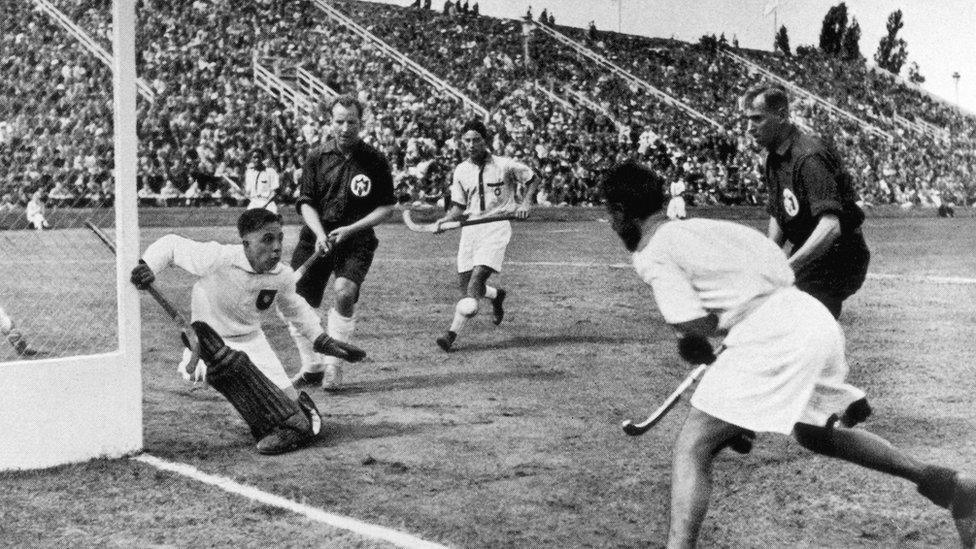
[955, 77]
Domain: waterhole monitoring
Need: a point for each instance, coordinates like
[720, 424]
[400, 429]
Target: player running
[237, 282]
[483, 185]
[782, 369]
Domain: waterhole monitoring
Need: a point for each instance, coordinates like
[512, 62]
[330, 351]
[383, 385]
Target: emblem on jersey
[265, 299]
[790, 203]
[360, 185]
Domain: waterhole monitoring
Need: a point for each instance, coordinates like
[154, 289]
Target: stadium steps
[395, 54]
[802, 92]
[98, 51]
[281, 90]
[627, 76]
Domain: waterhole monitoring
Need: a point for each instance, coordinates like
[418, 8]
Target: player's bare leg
[474, 286]
[691, 474]
[941, 485]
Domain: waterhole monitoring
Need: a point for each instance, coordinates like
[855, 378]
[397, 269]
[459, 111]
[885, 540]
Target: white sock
[341, 329]
[491, 292]
[311, 361]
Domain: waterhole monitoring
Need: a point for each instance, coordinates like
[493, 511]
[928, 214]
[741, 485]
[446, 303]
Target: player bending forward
[782, 369]
[483, 185]
[237, 283]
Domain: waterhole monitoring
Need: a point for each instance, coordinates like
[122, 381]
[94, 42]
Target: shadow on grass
[440, 380]
[543, 341]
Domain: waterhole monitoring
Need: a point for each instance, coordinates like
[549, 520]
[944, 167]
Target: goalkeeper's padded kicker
[262, 404]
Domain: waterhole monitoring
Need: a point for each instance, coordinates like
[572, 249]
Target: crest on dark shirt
[360, 185]
[790, 204]
[265, 299]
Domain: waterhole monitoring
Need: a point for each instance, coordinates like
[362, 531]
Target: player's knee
[346, 296]
[815, 438]
[467, 306]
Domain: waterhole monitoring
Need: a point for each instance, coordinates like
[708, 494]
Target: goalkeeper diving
[237, 283]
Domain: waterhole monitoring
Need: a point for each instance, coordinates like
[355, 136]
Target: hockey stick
[635, 429]
[303, 268]
[274, 195]
[449, 225]
[191, 335]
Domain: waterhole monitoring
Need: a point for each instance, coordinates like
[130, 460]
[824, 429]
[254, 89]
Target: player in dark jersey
[346, 190]
[811, 202]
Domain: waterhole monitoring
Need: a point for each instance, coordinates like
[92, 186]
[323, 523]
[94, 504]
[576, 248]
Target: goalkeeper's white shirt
[230, 296]
[701, 266]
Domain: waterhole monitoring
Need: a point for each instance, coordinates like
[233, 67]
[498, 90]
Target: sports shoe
[307, 379]
[496, 306]
[446, 341]
[963, 509]
[283, 439]
[19, 344]
[332, 380]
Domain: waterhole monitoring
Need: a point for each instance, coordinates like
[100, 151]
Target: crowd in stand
[567, 118]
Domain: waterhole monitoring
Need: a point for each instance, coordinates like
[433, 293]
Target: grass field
[514, 439]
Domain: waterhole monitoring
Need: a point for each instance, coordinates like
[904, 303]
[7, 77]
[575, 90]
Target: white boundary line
[400, 539]
[931, 279]
[928, 279]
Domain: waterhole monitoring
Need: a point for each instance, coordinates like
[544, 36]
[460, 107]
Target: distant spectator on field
[36, 211]
[169, 194]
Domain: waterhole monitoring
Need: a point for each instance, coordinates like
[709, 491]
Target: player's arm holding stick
[144, 281]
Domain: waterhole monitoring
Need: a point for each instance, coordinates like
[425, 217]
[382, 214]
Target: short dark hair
[637, 189]
[349, 102]
[253, 220]
[476, 125]
[774, 97]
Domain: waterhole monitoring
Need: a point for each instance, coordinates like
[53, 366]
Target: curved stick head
[417, 227]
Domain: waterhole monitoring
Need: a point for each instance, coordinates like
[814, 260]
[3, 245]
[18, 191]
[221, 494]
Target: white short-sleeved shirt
[488, 189]
[261, 184]
[702, 266]
[230, 296]
[677, 188]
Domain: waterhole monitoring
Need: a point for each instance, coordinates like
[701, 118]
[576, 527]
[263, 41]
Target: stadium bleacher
[566, 116]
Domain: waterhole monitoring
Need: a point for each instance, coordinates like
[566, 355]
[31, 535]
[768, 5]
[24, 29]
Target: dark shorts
[838, 274]
[350, 259]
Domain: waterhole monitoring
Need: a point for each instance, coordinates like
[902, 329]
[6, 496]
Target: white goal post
[68, 406]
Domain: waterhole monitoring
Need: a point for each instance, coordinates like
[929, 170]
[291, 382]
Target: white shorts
[259, 202]
[676, 208]
[261, 354]
[483, 245]
[783, 364]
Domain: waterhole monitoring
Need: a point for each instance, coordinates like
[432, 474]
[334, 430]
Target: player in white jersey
[13, 335]
[676, 206]
[782, 368]
[237, 283]
[261, 182]
[483, 185]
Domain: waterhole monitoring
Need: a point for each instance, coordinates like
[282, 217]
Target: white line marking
[364, 529]
[924, 278]
[931, 279]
